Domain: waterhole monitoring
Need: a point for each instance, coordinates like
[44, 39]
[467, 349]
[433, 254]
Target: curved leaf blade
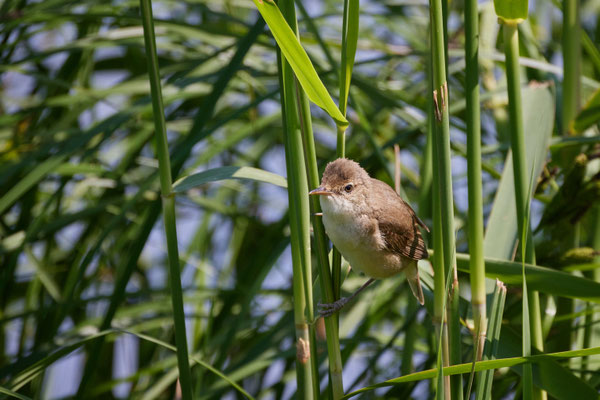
[296, 55]
[229, 172]
[480, 366]
[542, 279]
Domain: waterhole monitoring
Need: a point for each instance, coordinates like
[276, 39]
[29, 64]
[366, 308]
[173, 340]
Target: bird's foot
[328, 309]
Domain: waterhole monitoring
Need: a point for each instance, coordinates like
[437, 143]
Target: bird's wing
[399, 225]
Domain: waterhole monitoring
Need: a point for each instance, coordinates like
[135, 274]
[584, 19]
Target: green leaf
[68, 169]
[229, 172]
[542, 279]
[548, 374]
[480, 366]
[501, 232]
[349, 44]
[589, 114]
[295, 55]
[511, 11]
[195, 358]
[492, 341]
[13, 394]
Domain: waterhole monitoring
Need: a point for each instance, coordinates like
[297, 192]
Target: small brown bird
[372, 227]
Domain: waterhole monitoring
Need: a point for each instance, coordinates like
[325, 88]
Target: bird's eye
[348, 188]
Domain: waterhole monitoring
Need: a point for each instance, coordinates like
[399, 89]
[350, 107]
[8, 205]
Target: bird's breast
[357, 237]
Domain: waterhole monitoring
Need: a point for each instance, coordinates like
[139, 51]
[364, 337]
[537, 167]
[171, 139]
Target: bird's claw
[328, 309]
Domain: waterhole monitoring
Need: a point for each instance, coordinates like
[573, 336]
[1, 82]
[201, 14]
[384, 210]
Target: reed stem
[293, 144]
[306, 361]
[168, 201]
[321, 242]
[443, 183]
[511, 49]
[475, 212]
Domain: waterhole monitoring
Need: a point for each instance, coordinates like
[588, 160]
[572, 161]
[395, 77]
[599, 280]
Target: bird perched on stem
[373, 228]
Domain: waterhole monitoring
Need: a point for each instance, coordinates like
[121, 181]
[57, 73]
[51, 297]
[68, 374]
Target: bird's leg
[328, 309]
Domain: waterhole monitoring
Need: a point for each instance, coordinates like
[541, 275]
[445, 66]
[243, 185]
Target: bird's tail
[412, 276]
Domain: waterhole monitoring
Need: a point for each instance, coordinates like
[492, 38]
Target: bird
[373, 228]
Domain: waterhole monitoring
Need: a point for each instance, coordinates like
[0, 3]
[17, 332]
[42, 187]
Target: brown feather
[398, 224]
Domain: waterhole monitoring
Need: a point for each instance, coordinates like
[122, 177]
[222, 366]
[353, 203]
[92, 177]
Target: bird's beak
[320, 191]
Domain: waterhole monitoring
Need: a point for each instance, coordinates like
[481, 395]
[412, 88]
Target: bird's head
[344, 187]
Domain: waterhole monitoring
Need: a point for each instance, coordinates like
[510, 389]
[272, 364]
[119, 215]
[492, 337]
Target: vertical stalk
[476, 259]
[327, 294]
[511, 49]
[168, 201]
[439, 284]
[306, 366]
[349, 43]
[330, 285]
[571, 49]
[304, 370]
[441, 148]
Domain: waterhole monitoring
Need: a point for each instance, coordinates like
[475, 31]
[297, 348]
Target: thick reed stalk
[306, 362]
[571, 89]
[443, 190]
[477, 264]
[511, 49]
[297, 180]
[321, 242]
[168, 200]
[439, 281]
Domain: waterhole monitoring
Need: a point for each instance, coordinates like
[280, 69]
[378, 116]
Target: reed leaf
[298, 59]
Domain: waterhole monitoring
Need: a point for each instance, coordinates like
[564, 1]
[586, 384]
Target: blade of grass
[528, 392]
[298, 59]
[10, 393]
[229, 172]
[492, 342]
[480, 366]
[349, 43]
[542, 279]
[502, 229]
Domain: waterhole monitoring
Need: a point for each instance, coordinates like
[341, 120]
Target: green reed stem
[168, 201]
[304, 371]
[306, 361]
[477, 264]
[330, 285]
[511, 49]
[441, 147]
[321, 241]
[439, 283]
[571, 90]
